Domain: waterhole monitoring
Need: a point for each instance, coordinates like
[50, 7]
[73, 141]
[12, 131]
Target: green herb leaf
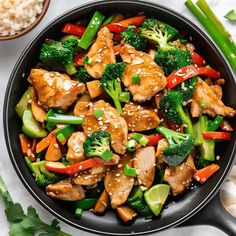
[14, 213]
[231, 15]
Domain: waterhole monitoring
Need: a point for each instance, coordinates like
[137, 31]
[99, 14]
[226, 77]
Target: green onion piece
[136, 137]
[203, 104]
[91, 30]
[50, 126]
[231, 15]
[78, 213]
[64, 160]
[183, 41]
[136, 78]
[215, 124]
[107, 155]
[86, 203]
[98, 113]
[130, 171]
[88, 60]
[143, 141]
[68, 37]
[124, 96]
[63, 119]
[61, 137]
[108, 20]
[65, 132]
[131, 145]
[28, 163]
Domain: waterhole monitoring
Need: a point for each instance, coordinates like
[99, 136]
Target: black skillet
[178, 210]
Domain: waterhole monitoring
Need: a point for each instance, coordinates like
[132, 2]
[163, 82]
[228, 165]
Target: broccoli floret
[158, 32]
[43, 177]
[180, 146]
[82, 76]
[173, 59]
[110, 82]
[59, 56]
[171, 106]
[133, 38]
[98, 144]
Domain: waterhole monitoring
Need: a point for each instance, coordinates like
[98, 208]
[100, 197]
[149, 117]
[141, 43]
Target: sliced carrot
[136, 20]
[25, 143]
[117, 18]
[44, 143]
[102, 203]
[54, 152]
[117, 49]
[37, 111]
[126, 213]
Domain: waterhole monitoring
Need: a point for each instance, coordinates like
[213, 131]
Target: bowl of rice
[17, 17]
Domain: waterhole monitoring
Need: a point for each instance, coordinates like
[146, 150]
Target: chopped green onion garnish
[136, 137]
[130, 145]
[87, 60]
[124, 97]
[136, 78]
[86, 203]
[203, 104]
[107, 155]
[98, 113]
[61, 137]
[143, 141]
[231, 15]
[78, 213]
[130, 171]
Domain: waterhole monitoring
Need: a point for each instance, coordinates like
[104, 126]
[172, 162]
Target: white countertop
[10, 51]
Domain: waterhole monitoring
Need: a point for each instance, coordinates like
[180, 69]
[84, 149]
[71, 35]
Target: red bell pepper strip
[154, 139]
[136, 20]
[188, 72]
[116, 37]
[203, 174]
[175, 127]
[77, 30]
[217, 135]
[197, 59]
[59, 167]
[116, 28]
[79, 58]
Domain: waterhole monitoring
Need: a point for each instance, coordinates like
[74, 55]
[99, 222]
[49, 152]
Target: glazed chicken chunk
[144, 163]
[110, 121]
[101, 53]
[160, 157]
[55, 89]
[117, 184]
[75, 152]
[88, 179]
[212, 103]
[152, 78]
[179, 178]
[140, 118]
[65, 190]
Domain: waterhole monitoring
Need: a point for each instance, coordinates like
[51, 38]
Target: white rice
[16, 15]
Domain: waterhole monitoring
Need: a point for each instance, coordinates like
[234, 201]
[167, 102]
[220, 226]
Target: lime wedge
[156, 196]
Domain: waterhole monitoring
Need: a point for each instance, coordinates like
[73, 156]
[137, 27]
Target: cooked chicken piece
[65, 190]
[160, 157]
[75, 152]
[55, 89]
[110, 121]
[117, 184]
[82, 108]
[101, 53]
[140, 118]
[179, 178]
[217, 90]
[144, 163]
[87, 179]
[213, 105]
[152, 78]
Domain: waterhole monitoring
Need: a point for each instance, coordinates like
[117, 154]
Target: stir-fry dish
[123, 114]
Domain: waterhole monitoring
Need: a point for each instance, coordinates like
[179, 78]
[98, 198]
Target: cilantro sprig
[26, 224]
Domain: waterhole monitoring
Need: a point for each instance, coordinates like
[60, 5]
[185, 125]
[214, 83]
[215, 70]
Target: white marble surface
[10, 51]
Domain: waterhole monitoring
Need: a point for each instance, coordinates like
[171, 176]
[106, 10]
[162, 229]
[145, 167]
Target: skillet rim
[90, 5]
